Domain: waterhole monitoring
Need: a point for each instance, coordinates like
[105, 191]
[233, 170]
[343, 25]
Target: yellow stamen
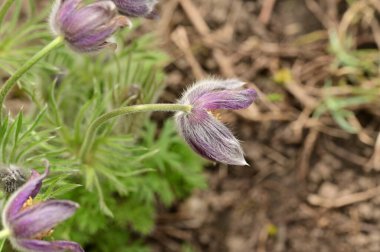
[44, 234]
[215, 114]
[28, 203]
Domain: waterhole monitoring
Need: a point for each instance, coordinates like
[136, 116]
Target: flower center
[44, 234]
[29, 203]
[215, 113]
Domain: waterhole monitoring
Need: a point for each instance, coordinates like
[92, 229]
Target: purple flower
[86, 28]
[28, 223]
[137, 8]
[202, 131]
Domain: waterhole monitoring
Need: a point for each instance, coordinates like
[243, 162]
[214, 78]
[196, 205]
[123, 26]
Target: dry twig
[266, 11]
[343, 200]
[179, 37]
[306, 153]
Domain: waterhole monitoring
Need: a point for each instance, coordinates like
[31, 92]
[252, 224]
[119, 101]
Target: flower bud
[86, 28]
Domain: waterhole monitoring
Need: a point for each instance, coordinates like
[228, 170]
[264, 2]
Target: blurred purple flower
[28, 223]
[202, 131]
[86, 28]
[137, 8]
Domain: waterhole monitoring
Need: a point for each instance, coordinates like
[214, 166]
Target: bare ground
[311, 186]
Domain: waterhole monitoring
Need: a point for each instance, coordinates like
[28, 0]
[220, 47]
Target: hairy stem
[4, 233]
[4, 9]
[24, 68]
[91, 131]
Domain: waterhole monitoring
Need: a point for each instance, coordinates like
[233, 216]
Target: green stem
[4, 9]
[91, 131]
[4, 233]
[27, 65]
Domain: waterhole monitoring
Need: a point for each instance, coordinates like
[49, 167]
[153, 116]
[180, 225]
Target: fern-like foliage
[23, 33]
[174, 173]
[133, 164]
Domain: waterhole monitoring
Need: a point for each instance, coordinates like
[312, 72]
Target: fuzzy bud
[86, 28]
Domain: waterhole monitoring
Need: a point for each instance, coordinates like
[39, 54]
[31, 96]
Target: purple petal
[136, 8]
[89, 18]
[210, 138]
[46, 246]
[226, 99]
[42, 217]
[37, 189]
[61, 10]
[66, 8]
[18, 198]
[88, 28]
[93, 48]
[92, 41]
[206, 86]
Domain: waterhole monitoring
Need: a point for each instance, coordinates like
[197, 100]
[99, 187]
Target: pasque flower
[86, 28]
[27, 223]
[137, 8]
[202, 131]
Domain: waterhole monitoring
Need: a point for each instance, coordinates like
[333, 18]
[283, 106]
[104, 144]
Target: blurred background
[312, 139]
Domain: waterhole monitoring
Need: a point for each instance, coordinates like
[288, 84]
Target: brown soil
[311, 186]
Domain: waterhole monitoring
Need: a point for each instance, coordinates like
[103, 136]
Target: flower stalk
[11, 82]
[4, 233]
[91, 132]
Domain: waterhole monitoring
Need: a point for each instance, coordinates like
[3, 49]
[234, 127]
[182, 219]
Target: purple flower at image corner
[137, 8]
[202, 131]
[86, 28]
[29, 222]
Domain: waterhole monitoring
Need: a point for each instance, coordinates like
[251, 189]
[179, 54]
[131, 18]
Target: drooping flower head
[137, 8]
[86, 28]
[28, 223]
[203, 132]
